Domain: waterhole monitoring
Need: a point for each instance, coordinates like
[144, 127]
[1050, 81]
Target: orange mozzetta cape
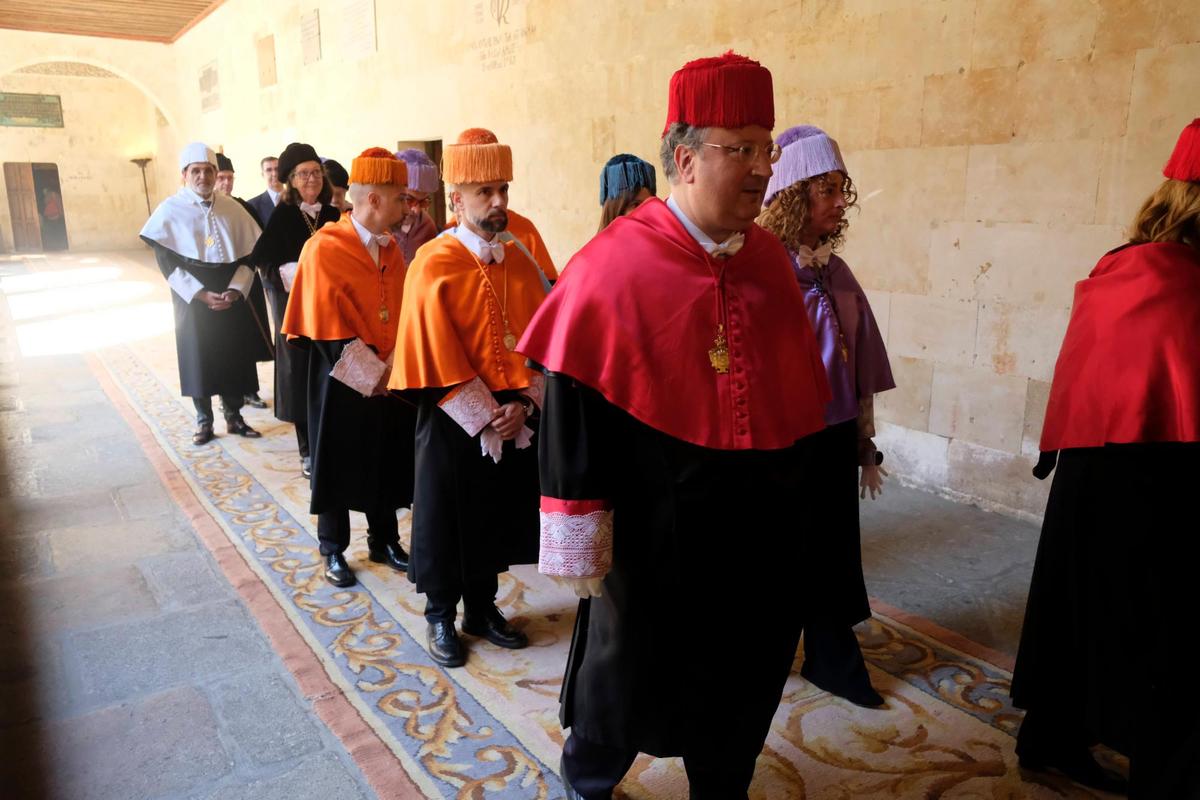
[523, 229]
[339, 291]
[451, 326]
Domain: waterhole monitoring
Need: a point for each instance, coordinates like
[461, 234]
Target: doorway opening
[433, 149]
[35, 205]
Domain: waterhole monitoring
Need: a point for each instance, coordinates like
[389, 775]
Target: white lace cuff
[359, 368]
[471, 405]
[536, 389]
[576, 538]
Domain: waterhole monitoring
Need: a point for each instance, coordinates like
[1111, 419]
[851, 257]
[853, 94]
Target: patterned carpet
[490, 729]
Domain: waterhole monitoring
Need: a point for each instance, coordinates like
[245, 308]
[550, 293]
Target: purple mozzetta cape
[840, 315]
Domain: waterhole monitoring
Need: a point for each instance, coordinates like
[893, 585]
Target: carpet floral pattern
[490, 729]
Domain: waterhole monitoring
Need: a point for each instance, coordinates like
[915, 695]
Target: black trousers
[302, 438]
[333, 529]
[478, 597]
[833, 658]
[231, 407]
[594, 770]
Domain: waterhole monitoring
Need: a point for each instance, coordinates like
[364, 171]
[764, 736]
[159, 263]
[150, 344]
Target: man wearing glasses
[683, 382]
[417, 227]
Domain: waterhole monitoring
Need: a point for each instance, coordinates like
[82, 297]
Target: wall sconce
[142, 162]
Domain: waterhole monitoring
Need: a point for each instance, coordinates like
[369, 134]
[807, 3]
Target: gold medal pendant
[718, 356]
[510, 341]
[208, 242]
[383, 314]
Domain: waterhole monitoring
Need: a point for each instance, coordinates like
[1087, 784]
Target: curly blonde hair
[1171, 214]
[787, 213]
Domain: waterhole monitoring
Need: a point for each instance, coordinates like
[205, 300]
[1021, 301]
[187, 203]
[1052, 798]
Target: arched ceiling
[146, 20]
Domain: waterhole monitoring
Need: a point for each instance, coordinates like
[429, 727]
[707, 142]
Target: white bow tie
[729, 247]
[805, 255]
[312, 209]
[491, 251]
[382, 239]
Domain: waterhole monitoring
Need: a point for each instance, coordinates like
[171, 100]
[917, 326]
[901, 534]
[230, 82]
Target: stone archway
[111, 121]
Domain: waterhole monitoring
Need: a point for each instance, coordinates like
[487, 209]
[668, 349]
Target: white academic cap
[195, 153]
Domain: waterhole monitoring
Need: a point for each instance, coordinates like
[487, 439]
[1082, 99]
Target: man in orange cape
[345, 306]
[525, 233]
[470, 293]
[684, 381]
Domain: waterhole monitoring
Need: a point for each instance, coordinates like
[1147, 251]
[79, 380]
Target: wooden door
[22, 207]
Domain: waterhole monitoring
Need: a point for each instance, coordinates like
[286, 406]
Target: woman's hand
[872, 478]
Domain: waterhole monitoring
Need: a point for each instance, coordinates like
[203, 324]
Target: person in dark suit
[225, 178]
[264, 204]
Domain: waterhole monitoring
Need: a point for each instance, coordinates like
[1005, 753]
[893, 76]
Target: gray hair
[680, 133]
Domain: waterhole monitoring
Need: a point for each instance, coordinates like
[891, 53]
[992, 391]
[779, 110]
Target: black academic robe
[472, 518]
[1106, 625]
[217, 350]
[705, 589]
[281, 242]
[836, 593]
[362, 447]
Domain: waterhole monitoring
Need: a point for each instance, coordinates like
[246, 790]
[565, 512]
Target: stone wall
[999, 147]
[107, 121]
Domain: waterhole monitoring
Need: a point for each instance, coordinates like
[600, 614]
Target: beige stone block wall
[1000, 147]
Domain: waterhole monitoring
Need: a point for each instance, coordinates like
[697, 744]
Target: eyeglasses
[306, 174]
[414, 202]
[748, 153]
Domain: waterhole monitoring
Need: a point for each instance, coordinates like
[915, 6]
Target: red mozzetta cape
[339, 290]
[635, 315]
[1129, 368]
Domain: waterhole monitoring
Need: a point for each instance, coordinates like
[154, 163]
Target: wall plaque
[19, 110]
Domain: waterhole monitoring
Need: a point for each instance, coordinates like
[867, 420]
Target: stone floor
[130, 669]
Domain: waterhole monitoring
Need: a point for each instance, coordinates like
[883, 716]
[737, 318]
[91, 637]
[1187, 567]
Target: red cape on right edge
[1129, 368]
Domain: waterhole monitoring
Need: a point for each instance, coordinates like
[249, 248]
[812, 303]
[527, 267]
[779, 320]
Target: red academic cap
[728, 91]
[1185, 161]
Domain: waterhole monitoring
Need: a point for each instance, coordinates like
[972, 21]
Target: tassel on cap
[477, 157]
[625, 173]
[1184, 164]
[727, 91]
[376, 166]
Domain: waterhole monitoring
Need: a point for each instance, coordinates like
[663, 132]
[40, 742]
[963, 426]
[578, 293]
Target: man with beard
[344, 307]
[684, 383]
[469, 294]
[264, 204]
[202, 240]
[225, 177]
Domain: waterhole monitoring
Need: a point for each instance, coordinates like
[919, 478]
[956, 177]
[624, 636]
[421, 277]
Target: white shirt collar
[364, 236]
[474, 242]
[703, 239]
[274, 195]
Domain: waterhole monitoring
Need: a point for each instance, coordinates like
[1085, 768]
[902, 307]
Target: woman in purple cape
[805, 206]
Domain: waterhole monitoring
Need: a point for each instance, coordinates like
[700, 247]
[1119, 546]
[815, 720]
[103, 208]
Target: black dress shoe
[860, 693]
[444, 645]
[306, 466]
[238, 426]
[254, 401]
[391, 554]
[338, 572]
[492, 626]
[204, 433]
[1080, 767]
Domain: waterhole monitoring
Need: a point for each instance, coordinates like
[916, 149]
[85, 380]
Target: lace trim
[536, 389]
[471, 406]
[359, 368]
[576, 546]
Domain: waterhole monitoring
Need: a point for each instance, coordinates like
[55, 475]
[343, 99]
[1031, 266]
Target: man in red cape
[1111, 587]
[683, 380]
